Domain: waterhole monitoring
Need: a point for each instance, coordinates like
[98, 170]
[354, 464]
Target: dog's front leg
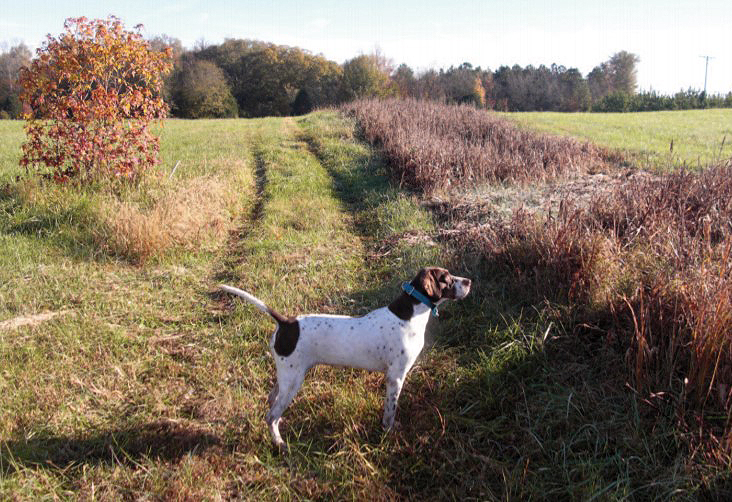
[394, 382]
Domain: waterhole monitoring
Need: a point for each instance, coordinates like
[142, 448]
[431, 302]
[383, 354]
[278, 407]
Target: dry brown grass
[648, 264]
[433, 147]
[195, 215]
[646, 261]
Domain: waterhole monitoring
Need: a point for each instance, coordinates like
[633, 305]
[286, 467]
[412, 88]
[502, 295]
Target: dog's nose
[467, 282]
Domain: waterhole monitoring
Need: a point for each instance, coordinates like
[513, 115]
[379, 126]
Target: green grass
[11, 132]
[147, 383]
[151, 384]
[699, 137]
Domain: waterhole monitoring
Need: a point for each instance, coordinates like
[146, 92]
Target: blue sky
[669, 36]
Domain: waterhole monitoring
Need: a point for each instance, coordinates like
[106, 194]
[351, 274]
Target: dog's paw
[281, 448]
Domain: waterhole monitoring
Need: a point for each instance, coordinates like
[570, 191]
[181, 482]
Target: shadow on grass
[62, 226]
[508, 405]
[158, 440]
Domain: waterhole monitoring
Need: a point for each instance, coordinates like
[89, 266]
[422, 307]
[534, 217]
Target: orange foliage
[90, 96]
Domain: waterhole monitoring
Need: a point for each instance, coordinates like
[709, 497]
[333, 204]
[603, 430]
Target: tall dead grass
[432, 146]
[194, 214]
[649, 264]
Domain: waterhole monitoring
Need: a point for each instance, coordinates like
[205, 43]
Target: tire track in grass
[394, 229]
[235, 254]
[300, 253]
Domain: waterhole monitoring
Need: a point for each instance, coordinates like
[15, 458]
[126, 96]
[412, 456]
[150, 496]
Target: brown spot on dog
[288, 333]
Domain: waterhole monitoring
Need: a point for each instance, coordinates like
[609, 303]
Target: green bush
[201, 91]
[614, 102]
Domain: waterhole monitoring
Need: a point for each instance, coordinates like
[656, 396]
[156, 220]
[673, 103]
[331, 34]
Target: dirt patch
[31, 320]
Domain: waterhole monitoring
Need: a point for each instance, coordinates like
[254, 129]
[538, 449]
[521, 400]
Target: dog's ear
[428, 282]
[430, 279]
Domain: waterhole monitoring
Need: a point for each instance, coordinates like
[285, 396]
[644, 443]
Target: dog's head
[438, 284]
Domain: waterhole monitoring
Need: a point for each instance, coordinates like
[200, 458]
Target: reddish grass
[682, 307]
[649, 264]
[432, 147]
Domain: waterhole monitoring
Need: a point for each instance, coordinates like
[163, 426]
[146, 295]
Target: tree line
[11, 61]
[251, 78]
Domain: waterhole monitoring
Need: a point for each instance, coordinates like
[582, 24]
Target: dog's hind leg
[273, 394]
[288, 383]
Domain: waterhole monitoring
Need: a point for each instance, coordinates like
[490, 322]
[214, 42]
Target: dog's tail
[254, 301]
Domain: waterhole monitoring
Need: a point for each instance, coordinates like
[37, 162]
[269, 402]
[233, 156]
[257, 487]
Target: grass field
[699, 137]
[125, 375]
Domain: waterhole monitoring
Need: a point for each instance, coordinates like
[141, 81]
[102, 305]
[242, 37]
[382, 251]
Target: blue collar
[409, 289]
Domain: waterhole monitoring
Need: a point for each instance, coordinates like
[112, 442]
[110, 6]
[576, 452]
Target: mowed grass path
[699, 137]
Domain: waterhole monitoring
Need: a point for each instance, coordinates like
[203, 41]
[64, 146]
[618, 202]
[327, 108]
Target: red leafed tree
[90, 97]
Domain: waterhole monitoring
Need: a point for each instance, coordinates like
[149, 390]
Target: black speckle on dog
[402, 351]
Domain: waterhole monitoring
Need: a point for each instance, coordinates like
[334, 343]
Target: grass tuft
[196, 215]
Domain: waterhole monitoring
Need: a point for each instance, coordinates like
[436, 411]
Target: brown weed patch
[432, 147]
[648, 264]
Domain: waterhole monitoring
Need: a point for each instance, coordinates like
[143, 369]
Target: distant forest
[250, 78]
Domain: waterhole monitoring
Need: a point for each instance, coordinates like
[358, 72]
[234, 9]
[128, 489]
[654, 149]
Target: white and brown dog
[388, 339]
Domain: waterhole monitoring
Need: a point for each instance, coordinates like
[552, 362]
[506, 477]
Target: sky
[669, 36]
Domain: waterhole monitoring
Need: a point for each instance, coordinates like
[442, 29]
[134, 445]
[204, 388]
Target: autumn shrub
[433, 147]
[91, 94]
